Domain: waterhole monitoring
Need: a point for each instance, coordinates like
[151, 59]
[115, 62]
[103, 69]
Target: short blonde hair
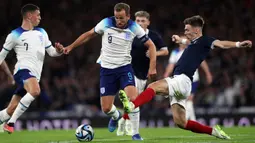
[142, 14]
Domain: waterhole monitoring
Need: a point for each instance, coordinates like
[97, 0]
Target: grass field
[150, 135]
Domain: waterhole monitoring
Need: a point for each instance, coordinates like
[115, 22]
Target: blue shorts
[19, 78]
[194, 87]
[112, 80]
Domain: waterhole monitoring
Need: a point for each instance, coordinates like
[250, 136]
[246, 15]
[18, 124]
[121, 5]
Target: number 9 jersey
[116, 42]
[29, 46]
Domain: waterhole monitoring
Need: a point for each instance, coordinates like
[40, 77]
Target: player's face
[190, 32]
[35, 17]
[121, 18]
[142, 21]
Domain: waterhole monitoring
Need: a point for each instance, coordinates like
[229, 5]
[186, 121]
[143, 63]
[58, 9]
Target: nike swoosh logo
[23, 40]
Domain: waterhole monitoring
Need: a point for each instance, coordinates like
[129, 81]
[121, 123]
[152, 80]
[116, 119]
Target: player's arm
[231, 44]
[162, 52]
[55, 51]
[8, 46]
[85, 37]
[206, 69]
[169, 70]
[7, 71]
[171, 63]
[177, 39]
[153, 57]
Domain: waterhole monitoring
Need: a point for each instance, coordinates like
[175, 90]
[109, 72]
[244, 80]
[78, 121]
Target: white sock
[114, 113]
[190, 112]
[4, 116]
[22, 107]
[135, 120]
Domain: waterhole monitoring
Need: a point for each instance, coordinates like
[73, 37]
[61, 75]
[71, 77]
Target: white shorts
[140, 84]
[178, 83]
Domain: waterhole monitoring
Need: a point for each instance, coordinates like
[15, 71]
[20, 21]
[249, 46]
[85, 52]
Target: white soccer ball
[84, 133]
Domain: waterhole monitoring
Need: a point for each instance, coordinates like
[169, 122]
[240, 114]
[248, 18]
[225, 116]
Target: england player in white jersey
[116, 72]
[29, 43]
[173, 59]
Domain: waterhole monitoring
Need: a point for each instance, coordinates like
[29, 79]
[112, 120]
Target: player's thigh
[179, 114]
[26, 80]
[127, 82]
[13, 104]
[107, 102]
[160, 87]
[179, 86]
[32, 86]
[131, 92]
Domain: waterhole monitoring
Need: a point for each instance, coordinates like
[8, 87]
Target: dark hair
[142, 14]
[120, 6]
[28, 8]
[196, 21]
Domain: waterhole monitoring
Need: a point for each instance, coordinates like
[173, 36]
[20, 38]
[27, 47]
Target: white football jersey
[175, 56]
[117, 43]
[29, 46]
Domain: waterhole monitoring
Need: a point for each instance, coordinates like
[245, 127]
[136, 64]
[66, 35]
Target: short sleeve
[102, 25]
[10, 42]
[138, 30]
[209, 42]
[46, 40]
[159, 43]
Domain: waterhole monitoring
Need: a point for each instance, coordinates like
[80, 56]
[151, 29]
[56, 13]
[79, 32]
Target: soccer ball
[84, 133]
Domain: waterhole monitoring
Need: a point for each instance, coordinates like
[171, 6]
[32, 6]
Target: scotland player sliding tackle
[140, 63]
[116, 72]
[178, 87]
[29, 43]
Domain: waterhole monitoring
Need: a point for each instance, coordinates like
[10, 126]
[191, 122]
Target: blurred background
[70, 84]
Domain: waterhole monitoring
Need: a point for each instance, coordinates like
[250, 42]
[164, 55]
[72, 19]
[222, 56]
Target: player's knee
[35, 92]
[106, 109]
[133, 97]
[180, 121]
[153, 86]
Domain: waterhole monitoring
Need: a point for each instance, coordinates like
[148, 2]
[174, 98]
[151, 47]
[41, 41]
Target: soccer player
[116, 72]
[173, 59]
[178, 87]
[7, 71]
[140, 64]
[29, 43]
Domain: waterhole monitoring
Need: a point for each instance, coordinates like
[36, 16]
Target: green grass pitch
[150, 135]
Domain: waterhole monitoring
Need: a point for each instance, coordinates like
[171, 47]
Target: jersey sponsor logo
[102, 90]
[41, 38]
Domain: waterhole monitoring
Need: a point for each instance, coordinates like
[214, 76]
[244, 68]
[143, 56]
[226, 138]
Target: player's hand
[59, 47]
[67, 50]
[176, 39]
[246, 44]
[152, 75]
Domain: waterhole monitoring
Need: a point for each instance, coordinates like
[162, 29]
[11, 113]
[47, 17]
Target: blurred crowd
[70, 82]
